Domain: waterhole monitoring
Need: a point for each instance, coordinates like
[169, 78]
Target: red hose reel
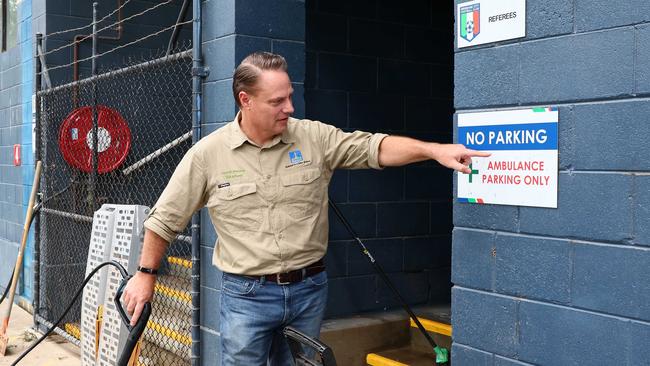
[113, 139]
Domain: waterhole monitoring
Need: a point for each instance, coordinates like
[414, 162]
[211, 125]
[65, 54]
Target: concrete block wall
[232, 29]
[16, 89]
[565, 286]
[385, 66]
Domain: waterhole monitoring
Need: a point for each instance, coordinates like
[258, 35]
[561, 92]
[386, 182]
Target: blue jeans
[254, 312]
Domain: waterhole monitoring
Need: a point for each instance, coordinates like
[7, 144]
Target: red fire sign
[17, 155]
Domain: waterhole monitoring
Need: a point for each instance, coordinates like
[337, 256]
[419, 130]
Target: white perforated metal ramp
[125, 249]
[117, 235]
[93, 294]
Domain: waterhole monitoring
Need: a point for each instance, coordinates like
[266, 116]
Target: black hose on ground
[134, 332]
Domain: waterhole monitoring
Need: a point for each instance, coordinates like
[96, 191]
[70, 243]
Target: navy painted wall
[565, 286]
[385, 66]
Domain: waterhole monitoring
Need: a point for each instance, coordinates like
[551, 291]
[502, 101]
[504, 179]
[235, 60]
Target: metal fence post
[93, 173]
[37, 141]
[197, 74]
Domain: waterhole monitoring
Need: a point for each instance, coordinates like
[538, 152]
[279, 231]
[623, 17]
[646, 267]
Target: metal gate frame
[198, 73]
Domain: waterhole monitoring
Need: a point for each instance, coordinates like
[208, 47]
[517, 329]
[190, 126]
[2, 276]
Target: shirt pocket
[302, 193]
[237, 207]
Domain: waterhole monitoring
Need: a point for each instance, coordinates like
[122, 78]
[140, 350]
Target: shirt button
[281, 236]
[268, 176]
[305, 178]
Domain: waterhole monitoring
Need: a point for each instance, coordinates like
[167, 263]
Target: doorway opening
[385, 66]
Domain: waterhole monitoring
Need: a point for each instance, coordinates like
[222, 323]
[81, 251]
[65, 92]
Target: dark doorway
[386, 66]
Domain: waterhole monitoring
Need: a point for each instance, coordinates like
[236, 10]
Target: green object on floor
[442, 355]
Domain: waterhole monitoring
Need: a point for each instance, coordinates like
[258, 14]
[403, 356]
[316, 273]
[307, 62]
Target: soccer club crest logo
[470, 21]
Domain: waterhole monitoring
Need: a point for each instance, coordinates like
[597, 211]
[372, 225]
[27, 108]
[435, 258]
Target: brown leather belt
[294, 276]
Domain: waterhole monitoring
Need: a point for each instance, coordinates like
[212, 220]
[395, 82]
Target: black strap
[147, 270]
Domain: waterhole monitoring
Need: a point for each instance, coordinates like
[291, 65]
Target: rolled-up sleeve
[185, 194]
[350, 150]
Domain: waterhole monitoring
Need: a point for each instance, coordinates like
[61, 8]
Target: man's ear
[244, 99]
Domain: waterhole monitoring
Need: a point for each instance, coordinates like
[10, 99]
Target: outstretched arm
[398, 151]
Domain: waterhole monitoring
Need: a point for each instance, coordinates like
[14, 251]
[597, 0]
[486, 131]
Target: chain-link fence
[140, 118]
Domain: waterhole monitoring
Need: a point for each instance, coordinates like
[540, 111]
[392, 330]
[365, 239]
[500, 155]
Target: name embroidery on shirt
[230, 174]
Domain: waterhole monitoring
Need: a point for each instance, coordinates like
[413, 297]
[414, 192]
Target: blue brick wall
[16, 89]
[384, 66]
[565, 286]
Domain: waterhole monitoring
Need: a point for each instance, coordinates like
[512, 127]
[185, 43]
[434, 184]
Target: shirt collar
[287, 137]
[238, 137]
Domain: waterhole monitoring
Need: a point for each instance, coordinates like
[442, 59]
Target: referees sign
[485, 21]
[522, 169]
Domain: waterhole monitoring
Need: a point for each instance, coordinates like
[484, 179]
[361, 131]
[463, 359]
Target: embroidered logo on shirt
[295, 157]
[230, 174]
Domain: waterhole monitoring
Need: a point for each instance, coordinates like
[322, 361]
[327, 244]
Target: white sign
[485, 21]
[522, 169]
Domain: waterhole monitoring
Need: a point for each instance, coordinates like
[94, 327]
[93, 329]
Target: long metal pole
[93, 173]
[197, 71]
[37, 141]
[149, 158]
[177, 28]
[382, 274]
[44, 73]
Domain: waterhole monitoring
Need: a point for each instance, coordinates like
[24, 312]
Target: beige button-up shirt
[268, 204]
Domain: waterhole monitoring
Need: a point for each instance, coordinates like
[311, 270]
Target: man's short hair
[249, 70]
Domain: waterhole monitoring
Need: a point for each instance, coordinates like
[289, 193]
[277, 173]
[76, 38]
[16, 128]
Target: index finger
[482, 154]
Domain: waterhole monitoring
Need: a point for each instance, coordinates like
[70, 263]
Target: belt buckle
[279, 281]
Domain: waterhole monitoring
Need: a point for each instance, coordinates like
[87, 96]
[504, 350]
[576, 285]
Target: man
[264, 179]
